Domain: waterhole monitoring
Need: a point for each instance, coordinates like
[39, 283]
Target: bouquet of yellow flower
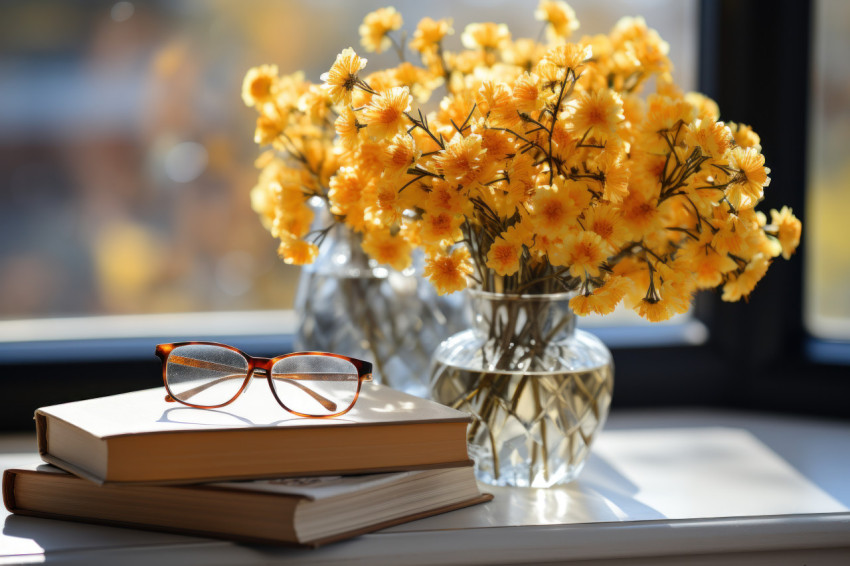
[544, 168]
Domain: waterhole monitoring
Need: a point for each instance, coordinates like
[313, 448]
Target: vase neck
[523, 320]
[341, 255]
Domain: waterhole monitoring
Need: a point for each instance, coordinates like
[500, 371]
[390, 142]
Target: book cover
[307, 510]
[138, 437]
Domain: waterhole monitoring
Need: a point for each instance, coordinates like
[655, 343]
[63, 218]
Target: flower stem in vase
[530, 380]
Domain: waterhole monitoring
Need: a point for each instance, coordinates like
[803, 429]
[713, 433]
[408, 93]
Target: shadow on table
[600, 495]
[605, 485]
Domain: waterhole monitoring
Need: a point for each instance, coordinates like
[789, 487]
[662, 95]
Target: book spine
[41, 432]
[9, 491]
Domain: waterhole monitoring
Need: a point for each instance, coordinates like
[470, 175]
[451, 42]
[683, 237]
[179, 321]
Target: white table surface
[661, 487]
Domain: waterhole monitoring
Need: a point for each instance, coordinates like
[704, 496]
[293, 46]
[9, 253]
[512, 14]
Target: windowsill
[124, 337]
[660, 486]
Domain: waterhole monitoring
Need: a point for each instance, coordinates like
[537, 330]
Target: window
[126, 160]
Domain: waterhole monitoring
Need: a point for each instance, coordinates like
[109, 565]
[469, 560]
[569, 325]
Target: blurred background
[126, 154]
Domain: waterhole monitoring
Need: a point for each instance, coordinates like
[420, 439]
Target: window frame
[772, 362]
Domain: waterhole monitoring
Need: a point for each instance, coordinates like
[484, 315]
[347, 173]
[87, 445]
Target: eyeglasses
[207, 375]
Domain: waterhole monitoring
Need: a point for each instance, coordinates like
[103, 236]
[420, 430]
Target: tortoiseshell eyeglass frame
[264, 365]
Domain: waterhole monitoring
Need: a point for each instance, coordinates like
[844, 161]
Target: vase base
[518, 477]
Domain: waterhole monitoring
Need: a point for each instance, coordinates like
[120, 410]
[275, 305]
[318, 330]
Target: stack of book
[249, 471]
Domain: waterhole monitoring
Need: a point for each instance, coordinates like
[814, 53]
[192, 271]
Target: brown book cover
[305, 511]
[139, 438]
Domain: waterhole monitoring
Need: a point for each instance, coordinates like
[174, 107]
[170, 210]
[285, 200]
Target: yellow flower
[604, 220]
[385, 205]
[448, 272]
[485, 36]
[643, 44]
[710, 266]
[745, 282]
[551, 77]
[582, 304]
[565, 144]
[713, 138]
[462, 160]
[731, 236]
[348, 128]
[385, 114]
[704, 261]
[789, 229]
[346, 188]
[520, 171]
[376, 26]
[297, 252]
[553, 209]
[455, 108]
[584, 253]
[569, 56]
[523, 53]
[503, 257]
[519, 234]
[603, 300]
[707, 109]
[259, 85]
[368, 158]
[677, 287]
[635, 273]
[440, 228]
[399, 154]
[654, 310]
[747, 185]
[342, 77]
[617, 176]
[429, 33]
[378, 81]
[294, 219]
[421, 82]
[387, 249]
[526, 93]
[647, 168]
[560, 16]
[495, 101]
[665, 119]
[745, 136]
[267, 130]
[445, 198]
[315, 103]
[497, 143]
[640, 214]
[600, 110]
[435, 62]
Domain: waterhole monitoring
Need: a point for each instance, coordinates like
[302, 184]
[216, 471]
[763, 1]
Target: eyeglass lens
[206, 375]
[315, 385]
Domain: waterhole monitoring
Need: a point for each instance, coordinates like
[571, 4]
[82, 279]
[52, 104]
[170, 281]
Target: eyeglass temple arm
[189, 393]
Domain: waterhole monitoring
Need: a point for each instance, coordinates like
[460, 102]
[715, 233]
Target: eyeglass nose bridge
[261, 368]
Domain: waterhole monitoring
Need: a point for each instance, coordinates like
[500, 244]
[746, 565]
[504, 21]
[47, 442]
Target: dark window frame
[754, 60]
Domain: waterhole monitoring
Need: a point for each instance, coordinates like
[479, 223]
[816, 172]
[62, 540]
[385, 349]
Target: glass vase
[347, 303]
[539, 389]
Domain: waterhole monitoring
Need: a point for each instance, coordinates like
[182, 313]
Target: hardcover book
[307, 510]
[138, 437]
